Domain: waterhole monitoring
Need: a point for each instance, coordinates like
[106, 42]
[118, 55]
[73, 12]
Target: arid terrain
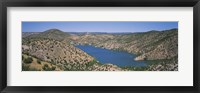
[54, 50]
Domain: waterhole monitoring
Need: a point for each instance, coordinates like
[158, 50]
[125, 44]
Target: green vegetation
[38, 61]
[22, 58]
[47, 68]
[25, 52]
[134, 68]
[53, 68]
[28, 60]
[25, 67]
[91, 63]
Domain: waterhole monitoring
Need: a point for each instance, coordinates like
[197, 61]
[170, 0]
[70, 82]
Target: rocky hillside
[157, 47]
[152, 45]
[50, 47]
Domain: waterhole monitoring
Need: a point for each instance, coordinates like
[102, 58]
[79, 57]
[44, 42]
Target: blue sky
[98, 26]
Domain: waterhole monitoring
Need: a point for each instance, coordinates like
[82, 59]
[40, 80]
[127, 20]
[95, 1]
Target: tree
[28, 60]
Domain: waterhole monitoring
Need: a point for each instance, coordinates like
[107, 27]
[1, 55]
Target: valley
[56, 50]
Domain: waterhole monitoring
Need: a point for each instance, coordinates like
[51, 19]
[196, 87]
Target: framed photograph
[99, 46]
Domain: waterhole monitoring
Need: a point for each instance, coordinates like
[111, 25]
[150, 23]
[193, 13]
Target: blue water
[104, 56]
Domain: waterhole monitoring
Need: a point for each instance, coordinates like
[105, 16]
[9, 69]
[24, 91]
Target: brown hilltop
[55, 34]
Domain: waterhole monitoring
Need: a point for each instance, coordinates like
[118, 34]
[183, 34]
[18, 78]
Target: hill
[56, 49]
[152, 45]
[55, 34]
[25, 34]
[50, 50]
[157, 47]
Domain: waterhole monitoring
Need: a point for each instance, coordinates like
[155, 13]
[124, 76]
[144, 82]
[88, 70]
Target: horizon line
[100, 32]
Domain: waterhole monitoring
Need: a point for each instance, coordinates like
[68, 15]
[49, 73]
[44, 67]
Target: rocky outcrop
[139, 58]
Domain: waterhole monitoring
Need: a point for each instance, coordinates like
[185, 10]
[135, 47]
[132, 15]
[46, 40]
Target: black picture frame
[98, 3]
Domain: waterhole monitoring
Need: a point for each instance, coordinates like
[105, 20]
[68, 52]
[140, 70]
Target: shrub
[22, 57]
[91, 63]
[25, 67]
[45, 65]
[26, 52]
[47, 68]
[38, 61]
[53, 68]
[28, 60]
[34, 56]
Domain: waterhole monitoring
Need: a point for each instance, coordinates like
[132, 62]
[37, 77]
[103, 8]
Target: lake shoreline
[129, 61]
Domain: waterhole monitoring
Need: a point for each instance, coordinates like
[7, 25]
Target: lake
[104, 56]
